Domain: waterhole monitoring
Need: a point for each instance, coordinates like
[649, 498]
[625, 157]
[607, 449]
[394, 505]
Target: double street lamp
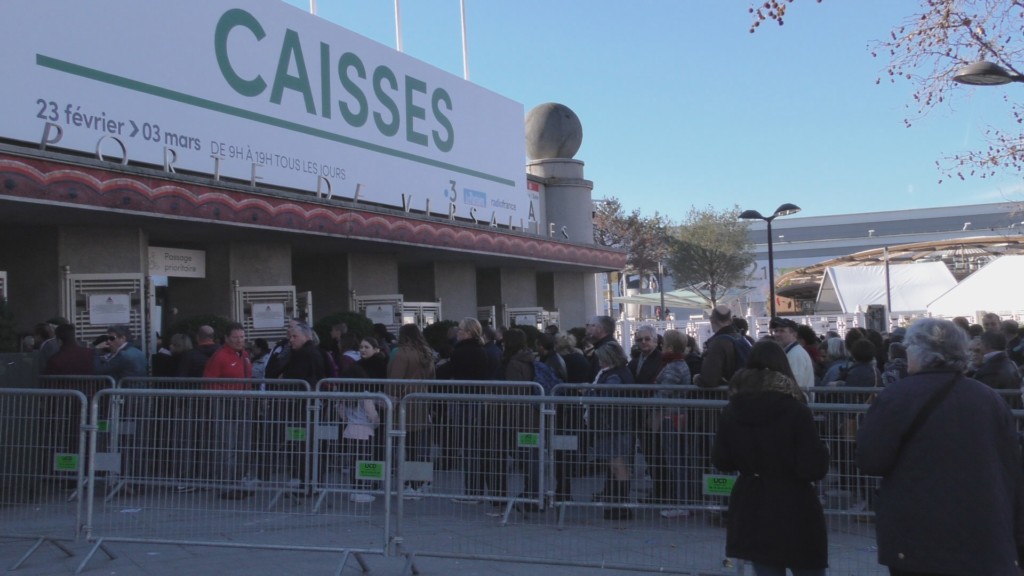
[784, 210]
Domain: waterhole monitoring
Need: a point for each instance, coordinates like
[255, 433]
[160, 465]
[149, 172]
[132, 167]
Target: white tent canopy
[994, 288]
[912, 287]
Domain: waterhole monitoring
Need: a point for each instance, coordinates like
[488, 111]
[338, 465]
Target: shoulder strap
[933, 402]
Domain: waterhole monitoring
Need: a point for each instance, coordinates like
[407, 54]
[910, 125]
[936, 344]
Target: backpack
[545, 376]
[741, 348]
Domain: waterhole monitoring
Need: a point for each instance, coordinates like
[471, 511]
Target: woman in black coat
[768, 434]
[372, 359]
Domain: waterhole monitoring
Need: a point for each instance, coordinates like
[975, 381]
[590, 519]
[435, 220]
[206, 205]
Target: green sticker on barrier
[528, 439]
[718, 484]
[295, 434]
[369, 470]
[103, 426]
[65, 462]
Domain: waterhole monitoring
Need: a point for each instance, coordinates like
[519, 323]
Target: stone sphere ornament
[552, 131]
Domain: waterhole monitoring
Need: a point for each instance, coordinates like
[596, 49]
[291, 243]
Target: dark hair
[232, 327]
[261, 343]
[513, 342]
[993, 340]
[852, 335]
[546, 341]
[65, 333]
[806, 333]
[975, 330]
[863, 350]
[768, 355]
[740, 324]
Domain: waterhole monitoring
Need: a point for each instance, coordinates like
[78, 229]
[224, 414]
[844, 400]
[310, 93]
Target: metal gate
[94, 302]
[534, 316]
[264, 311]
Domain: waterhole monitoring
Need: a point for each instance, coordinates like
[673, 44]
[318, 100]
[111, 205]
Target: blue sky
[682, 106]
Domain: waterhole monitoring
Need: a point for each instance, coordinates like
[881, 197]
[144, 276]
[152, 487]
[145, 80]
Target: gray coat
[952, 500]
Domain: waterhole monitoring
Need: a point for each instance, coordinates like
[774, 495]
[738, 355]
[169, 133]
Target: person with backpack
[502, 422]
[549, 367]
[724, 353]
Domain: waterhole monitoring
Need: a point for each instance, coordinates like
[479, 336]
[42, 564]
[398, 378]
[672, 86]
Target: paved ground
[433, 523]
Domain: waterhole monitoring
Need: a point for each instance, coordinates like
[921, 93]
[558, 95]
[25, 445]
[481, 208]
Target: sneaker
[185, 489]
[410, 493]
[362, 498]
[466, 500]
[675, 513]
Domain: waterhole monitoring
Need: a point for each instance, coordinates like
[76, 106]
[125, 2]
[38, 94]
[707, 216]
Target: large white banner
[259, 91]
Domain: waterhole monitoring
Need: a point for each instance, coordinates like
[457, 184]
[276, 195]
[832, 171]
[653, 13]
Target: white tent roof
[995, 288]
[912, 287]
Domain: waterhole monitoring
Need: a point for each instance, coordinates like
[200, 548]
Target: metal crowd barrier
[544, 478]
[480, 470]
[436, 433]
[230, 468]
[42, 465]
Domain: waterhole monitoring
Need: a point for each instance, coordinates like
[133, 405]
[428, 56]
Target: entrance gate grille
[247, 300]
[79, 288]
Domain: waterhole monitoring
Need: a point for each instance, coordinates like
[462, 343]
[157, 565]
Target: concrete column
[575, 298]
[567, 198]
[30, 257]
[455, 283]
[261, 263]
[518, 287]
[104, 250]
[371, 274]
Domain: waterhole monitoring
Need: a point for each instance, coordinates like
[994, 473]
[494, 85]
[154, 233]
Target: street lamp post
[661, 289]
[985, 73]
[784, 210]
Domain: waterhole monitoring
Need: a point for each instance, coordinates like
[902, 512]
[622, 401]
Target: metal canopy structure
[962, 256]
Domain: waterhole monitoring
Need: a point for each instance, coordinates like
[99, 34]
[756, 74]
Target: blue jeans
[765, 570]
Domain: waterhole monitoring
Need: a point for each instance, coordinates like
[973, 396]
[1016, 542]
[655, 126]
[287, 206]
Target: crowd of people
[935, 428]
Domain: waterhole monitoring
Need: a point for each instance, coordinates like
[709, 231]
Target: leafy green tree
[711, 252]
[645, 239]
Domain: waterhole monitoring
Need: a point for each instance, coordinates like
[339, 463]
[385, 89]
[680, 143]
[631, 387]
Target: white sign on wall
[267, 315]
[177, 262]
[381, 313]
[263, 92]
[109, 309]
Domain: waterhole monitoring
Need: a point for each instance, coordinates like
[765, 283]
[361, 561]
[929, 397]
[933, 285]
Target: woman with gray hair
[952, 496]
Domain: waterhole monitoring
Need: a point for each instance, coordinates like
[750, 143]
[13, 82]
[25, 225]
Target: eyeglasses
[645, 339]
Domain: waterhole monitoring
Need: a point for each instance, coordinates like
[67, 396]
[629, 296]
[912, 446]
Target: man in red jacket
[232, 418]
[230, 361]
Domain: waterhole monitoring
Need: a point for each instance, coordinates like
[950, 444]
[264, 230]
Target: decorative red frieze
[66, 184]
